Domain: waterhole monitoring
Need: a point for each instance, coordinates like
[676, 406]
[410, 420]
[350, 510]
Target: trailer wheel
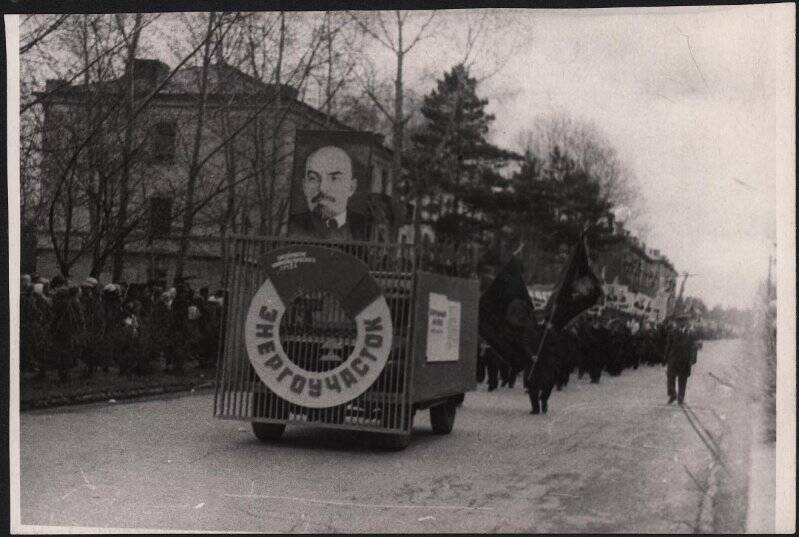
[268, 432]
[442, 417]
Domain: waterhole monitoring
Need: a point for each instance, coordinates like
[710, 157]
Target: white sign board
[443, 329]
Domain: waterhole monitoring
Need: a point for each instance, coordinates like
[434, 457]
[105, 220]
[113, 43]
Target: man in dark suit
[681, 357]
[328, 185]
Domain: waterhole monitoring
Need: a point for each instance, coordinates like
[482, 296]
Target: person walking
[682, 352]
[594, 343]
[493, 362]
[541, 378]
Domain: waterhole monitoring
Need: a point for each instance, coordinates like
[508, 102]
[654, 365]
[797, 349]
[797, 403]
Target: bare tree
[398, 32]
[583, 141]
[131, 36]
[86, 156]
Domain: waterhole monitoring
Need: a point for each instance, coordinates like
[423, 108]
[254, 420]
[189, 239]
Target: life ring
[345, 277]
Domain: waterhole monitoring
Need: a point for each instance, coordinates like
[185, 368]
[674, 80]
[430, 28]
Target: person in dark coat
[493, 361]
[594, 343]
[34, 325]
[541, 376]
[568, 353]
[158, 331]
[40, 316]
[25, 310]
[113, 330]
[181, 327]
[95, 326]
[209, 341]
[66, 328]
[618, 350]
[646, 342]
[682, 352]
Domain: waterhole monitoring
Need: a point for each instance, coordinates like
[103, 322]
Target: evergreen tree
[457, 169]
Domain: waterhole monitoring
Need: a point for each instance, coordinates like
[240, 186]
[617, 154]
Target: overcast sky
[687, 96]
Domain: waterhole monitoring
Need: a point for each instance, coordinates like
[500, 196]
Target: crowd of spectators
[132, 329]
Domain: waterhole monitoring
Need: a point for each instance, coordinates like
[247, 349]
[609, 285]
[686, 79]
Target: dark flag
[506, 313]
[579, 289]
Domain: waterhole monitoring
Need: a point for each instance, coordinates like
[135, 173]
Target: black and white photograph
[473, 270]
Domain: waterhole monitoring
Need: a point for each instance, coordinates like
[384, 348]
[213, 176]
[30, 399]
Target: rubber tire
[442, 417]
[268, 432]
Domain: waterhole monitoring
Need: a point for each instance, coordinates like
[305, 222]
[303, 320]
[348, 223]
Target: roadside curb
[707, 503]
[119, 395]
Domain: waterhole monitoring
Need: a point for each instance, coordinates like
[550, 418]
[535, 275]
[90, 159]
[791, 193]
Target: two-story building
[229, 147]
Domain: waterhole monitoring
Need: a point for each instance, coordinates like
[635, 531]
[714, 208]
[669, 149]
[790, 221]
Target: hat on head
[89, 282]
[110, 288]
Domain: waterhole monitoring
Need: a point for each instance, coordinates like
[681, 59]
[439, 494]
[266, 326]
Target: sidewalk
[762, 486]
[107, 386]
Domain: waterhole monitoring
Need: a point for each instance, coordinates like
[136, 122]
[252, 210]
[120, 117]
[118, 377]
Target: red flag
[506, 313]
[579, 289]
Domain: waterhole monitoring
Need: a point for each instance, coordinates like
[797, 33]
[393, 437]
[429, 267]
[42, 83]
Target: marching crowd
[590, 346]
[139, 329]
[134, 329]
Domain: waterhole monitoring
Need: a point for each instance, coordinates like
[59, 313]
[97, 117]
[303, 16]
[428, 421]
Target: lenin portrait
[325, 179]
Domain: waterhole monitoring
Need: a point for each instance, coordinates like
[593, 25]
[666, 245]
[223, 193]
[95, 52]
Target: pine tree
[460, 168]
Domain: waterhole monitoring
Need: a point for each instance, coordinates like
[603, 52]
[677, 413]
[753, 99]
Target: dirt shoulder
[104, 386]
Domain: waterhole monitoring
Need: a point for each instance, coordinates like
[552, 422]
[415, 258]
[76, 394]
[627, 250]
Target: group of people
[135, 329]
[592, 346]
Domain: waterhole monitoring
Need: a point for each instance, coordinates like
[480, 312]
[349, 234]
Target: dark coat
[67, 325]
[308, 225]
[682, 351]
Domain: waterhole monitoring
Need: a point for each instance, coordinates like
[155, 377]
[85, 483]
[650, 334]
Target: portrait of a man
[327, 185]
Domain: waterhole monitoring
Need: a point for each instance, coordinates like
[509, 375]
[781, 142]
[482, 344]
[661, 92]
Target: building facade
[159, 138]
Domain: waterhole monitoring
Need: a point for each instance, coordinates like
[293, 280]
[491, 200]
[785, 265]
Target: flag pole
[543, 338]
[554, 306]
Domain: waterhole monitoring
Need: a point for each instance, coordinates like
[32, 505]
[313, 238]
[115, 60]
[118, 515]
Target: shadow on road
[339, 440]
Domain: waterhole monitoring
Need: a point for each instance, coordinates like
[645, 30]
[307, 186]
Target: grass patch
[101, 386]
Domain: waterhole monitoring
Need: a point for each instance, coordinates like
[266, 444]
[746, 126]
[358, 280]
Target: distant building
[638, 281]
[246, 140]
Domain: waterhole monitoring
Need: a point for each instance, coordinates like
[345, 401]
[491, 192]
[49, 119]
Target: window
[409, 212]
[386, 182]
[163, 140]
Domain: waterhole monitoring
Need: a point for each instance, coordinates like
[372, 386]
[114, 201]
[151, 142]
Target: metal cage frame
[387, 405]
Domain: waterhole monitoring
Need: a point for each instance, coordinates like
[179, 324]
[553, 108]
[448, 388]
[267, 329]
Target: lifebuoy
[347, 278]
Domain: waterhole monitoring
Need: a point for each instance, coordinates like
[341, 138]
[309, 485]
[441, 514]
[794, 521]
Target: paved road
[608, 457]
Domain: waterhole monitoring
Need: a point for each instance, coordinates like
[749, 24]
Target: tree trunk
[124, 192]
[194, 166]
[271, 222]
[399, 119]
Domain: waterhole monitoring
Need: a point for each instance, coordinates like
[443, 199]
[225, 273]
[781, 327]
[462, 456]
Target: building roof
[224, 82]
[631, 243]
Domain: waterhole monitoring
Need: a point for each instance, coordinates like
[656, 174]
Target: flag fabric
[579, 289]
[506, 315]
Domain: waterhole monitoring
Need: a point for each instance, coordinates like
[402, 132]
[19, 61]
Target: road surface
[608, 457]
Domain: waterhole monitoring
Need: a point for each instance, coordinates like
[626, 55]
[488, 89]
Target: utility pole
[771, 261]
